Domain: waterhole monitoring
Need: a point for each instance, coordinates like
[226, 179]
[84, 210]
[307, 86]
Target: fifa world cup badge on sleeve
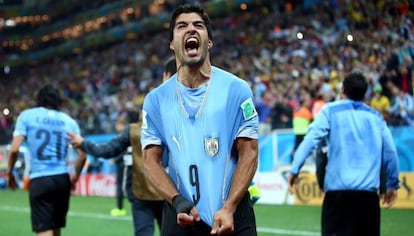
[249, 110]
[211, 146]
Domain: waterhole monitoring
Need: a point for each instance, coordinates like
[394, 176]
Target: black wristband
[181, 205]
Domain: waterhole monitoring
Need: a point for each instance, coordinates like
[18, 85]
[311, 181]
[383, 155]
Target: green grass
[89, 216]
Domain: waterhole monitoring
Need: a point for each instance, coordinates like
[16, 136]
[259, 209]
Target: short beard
[195, 63]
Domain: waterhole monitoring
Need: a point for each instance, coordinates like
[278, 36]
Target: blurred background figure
[302, 117]
[402, 107]
[44, 128]
[146, 202]
[380, 102]
[169, 68]
[120, 173]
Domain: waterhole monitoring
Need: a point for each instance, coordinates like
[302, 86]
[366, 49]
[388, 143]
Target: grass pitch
[89, 216]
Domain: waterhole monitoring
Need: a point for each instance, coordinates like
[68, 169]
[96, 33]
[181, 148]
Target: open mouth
[191, 45]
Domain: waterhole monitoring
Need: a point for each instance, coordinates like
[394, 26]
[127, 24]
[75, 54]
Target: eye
[180, 25]
[199, 25]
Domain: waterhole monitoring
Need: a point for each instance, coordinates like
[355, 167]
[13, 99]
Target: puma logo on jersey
[176, 142]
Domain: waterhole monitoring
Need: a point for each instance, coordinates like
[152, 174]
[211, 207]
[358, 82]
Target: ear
[171, 46]
[210, 44]
[342, 93]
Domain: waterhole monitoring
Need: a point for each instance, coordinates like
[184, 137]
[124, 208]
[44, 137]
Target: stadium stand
[286, 50]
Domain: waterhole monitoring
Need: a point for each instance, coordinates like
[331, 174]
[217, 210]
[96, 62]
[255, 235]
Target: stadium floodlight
[6, 111]
[6, 70]
[350, 38]
[10, 23]
[299, 35]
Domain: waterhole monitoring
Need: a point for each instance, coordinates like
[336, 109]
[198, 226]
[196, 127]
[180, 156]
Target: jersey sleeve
[150, 134]
[250, 119]
[75, 126]
[390, 160]
[21, 124]
[316, 131]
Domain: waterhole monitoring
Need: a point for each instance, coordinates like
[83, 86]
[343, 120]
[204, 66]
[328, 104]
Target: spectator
[120, 125]
[402, 107]
[302, 117]
[380, 102]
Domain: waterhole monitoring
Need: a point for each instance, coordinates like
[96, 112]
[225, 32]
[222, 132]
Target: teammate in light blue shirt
[205, 118]
[360, 147]
[44, 128]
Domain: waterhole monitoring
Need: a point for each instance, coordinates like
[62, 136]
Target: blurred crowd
[293, 55]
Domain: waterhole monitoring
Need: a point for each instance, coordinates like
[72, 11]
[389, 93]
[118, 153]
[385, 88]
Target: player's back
[45, 132]
[355, 146]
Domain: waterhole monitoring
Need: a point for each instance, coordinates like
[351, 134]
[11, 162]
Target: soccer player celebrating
[205, 119]
[44, 128]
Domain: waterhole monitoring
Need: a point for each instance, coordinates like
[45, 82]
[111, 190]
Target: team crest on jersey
[211, 145]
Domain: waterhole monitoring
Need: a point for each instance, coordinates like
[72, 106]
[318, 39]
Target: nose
[191, 28]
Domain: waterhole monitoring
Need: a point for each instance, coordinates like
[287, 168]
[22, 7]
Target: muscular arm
[79, 164]
[243, 175]
[152, 156]
[245, 170]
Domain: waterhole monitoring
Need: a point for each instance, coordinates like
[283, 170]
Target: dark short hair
[188, 8]
[170, 66]
[355, 86]
[49, 96]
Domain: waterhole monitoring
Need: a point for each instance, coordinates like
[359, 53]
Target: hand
[187, 214]
[321, 191]
[188, 219]
[223, 222]
[73, 181]
[292, 180]
[11, 181]
[389, 198]
[75, 139]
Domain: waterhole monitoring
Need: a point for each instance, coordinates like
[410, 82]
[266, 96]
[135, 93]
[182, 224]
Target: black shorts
[244, 222]
[49, 202]
[353, 213]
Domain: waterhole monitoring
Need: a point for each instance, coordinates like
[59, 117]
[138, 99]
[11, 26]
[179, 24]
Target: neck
[191, 79]
[194, 77]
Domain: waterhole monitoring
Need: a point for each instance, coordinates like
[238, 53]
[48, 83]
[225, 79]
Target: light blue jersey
[45, 132]
[199, 134]
[359, 143]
